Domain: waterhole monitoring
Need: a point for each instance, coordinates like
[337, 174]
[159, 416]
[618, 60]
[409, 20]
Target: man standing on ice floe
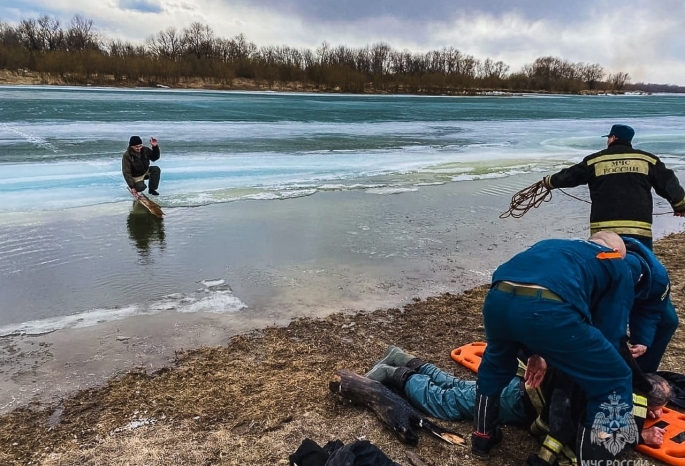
[135, 166]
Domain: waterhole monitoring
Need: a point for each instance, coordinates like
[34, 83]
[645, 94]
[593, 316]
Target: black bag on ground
[335, 453]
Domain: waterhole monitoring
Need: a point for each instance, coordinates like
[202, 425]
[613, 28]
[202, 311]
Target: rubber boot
[391, 376]
[551, 448]
[414, 364]
[486, 432]
[394, 356]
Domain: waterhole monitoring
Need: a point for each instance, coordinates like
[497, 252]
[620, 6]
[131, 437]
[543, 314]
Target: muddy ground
[253, 401]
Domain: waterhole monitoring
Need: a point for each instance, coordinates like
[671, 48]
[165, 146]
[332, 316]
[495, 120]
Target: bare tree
[379, 58]
[591, 74]
[9, 35]
[199, 40]
[28, 35]
[323, 52]
[618, 80]
[81, 36]
[50, 33]
[168, 44]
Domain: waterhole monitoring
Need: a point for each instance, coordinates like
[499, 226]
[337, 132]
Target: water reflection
[145, 230]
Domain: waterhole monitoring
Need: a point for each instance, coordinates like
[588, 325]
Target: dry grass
[253, 401]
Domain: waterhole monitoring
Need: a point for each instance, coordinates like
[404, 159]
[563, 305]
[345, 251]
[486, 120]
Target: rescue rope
[533, 196]
[526, 199]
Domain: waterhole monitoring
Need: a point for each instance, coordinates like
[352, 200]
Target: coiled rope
[526, 199]
[533, 196]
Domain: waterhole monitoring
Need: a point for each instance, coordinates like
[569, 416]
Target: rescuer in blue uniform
[567, 301]
[653, 319]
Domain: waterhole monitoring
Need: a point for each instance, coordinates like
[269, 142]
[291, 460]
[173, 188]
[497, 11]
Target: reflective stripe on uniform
[610, 157]
[639, 406]
[623, 227]
[552, 444]
[617, 167]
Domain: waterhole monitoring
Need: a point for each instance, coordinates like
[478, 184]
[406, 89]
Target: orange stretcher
[469, 355]
[673, 449]
[671, 452]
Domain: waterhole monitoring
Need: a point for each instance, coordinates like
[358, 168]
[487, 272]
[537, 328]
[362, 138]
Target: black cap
[135, 141]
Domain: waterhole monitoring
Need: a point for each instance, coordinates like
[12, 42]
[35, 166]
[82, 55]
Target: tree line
[77, 53]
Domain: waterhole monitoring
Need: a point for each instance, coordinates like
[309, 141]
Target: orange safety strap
[609, 255]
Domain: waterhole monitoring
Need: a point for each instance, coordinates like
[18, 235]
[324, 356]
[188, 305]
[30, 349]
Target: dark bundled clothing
[135, 165]
[620, 179]
[335, 453]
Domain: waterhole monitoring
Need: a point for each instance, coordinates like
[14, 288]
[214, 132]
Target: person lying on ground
[444, 396]
[556, 426]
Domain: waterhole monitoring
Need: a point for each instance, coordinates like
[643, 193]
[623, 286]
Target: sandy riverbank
[252, 401]
[25, 77]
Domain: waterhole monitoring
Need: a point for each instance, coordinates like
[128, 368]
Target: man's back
[581, 272]
[620, 179]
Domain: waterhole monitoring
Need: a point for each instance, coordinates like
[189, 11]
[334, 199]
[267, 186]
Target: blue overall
[579, 335]
[653, 318]
[444, 396]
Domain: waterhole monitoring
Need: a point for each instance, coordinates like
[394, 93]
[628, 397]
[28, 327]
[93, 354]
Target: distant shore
[25, 77]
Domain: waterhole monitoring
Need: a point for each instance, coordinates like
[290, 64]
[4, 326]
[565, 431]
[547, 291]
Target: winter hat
[624, 132]
[135, 141]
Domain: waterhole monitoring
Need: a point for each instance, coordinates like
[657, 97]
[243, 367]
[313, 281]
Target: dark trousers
[557, 332]
[649, 362]
[153, 174]
[645, 240]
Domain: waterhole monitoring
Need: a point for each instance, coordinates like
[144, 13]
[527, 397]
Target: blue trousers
[557, 332]
[444, 396]
[649, 362]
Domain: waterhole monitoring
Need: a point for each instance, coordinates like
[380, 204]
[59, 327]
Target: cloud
[142, 6]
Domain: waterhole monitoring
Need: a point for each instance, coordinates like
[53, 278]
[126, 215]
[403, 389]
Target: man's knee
[154, 170]
[140, 186]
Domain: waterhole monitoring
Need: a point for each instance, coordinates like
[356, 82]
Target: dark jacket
[135, 164]
[621, 179]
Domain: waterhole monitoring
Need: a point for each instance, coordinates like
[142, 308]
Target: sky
[645, 38]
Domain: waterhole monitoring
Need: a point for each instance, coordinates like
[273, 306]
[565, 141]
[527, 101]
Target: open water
[294, 202]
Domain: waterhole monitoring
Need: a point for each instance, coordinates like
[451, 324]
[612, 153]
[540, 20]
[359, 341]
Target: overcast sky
[645, 38]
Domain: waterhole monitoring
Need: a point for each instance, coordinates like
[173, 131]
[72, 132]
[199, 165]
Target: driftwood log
[391, 408]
